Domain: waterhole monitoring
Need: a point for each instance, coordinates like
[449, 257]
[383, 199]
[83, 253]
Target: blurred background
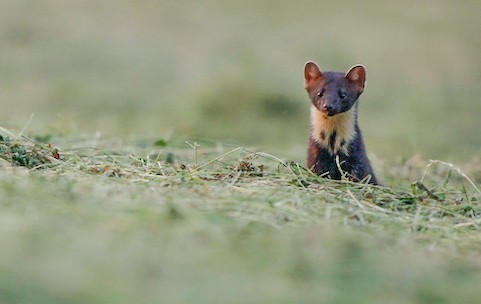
[233, 70]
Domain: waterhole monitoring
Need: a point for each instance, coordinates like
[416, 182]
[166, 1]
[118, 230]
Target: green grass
[133, 188]
[226, 70]
[165, 221]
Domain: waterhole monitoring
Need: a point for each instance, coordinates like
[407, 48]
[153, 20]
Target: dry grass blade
[451, 166]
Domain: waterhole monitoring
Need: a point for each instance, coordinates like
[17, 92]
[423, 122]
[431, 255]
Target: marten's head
[334, 92]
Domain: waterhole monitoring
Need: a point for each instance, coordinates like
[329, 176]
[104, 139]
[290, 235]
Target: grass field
[173, 222]
[153, 152]
[233, 71]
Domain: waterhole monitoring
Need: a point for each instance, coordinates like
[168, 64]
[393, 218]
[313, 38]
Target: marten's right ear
[312, 75]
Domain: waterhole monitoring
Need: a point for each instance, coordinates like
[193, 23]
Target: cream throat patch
[334, 133]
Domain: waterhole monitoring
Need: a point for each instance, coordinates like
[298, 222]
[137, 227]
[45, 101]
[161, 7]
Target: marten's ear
[357, 75]
[312, 75]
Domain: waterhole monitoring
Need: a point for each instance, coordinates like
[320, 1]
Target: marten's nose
[328, 107]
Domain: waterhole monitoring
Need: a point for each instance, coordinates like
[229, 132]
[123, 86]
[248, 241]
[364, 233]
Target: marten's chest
[334, 133]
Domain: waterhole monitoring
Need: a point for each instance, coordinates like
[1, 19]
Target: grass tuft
[27, 152]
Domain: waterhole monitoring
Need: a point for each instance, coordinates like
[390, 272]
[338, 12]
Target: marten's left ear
[357, 75]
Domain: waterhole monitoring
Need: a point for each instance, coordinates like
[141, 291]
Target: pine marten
[335, 139]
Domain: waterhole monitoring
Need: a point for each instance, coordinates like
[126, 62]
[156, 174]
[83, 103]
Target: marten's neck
[334, 133]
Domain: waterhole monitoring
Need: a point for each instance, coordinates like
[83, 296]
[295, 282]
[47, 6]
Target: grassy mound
[112, 221]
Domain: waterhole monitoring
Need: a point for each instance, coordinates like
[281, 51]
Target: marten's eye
[342, 94]
[321, 92]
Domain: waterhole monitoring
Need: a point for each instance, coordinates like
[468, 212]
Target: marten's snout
[327, 108]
